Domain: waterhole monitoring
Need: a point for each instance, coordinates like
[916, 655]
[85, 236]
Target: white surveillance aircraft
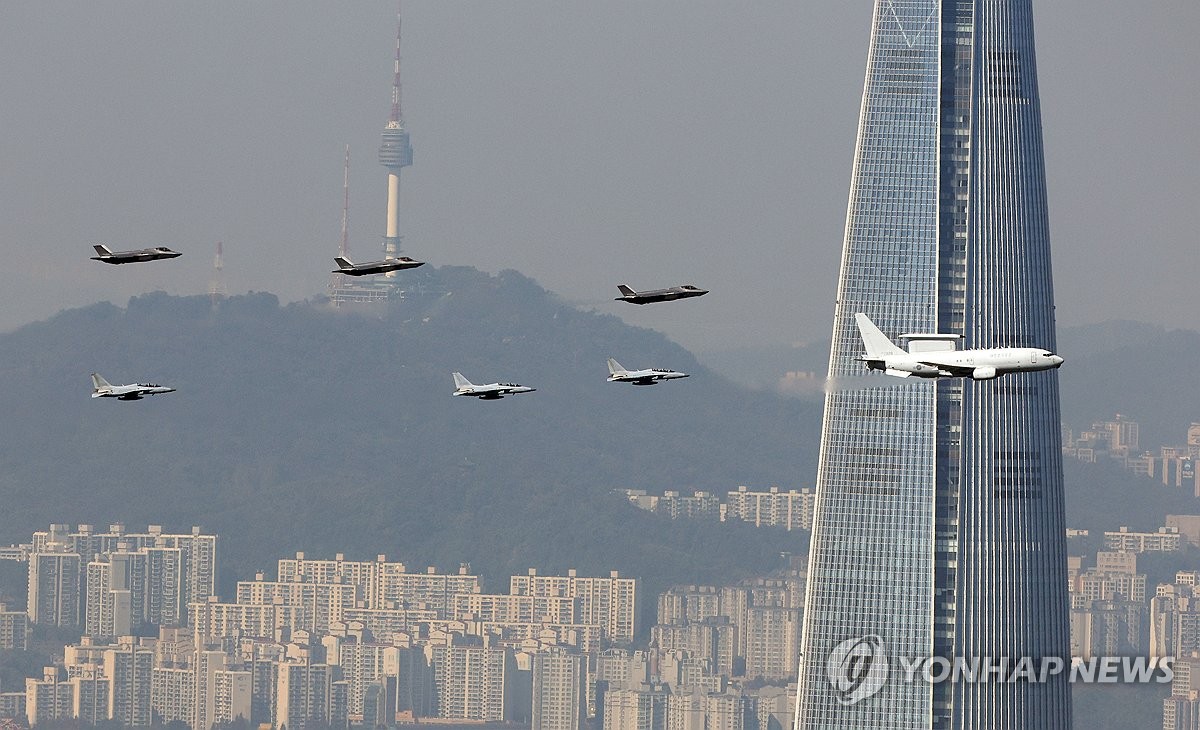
[493, 391]
[101, 388]
[618, 374]
[934, 356]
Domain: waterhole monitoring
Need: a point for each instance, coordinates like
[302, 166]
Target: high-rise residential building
[1181, 710]
[230, 697]
[1164, 539]
[319, 603]
[48, 698]
[610, 602]
[470, 682]
[116, 594]
[91, 693]
[363, 665]
[707, 711]
[636, 709]
[792, 509]
[614, 669]
[54, 578]
[696, 506]
[213, 620]
[173, 694]
[165, 604]
[303, 692]
[262, 659]
[129, 667]
[559, 691]
[712, 639]
[383, 585]
[415, 691]
[771, 645]
[181, 568]
[12, 705]
[938, 528]
[14, 629]
[681, 604]
[775, 707]
[516, 609]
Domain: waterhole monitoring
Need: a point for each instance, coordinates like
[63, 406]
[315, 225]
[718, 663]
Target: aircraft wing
[949, 367]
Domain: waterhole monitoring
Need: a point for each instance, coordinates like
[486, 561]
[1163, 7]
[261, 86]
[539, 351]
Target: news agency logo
[857, 668]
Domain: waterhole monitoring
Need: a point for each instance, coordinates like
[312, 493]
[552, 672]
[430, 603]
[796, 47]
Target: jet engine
[983, 373]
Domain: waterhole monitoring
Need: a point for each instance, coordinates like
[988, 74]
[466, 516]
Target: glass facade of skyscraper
[939, 517]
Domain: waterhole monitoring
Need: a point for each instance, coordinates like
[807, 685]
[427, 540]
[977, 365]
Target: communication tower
[395, 153]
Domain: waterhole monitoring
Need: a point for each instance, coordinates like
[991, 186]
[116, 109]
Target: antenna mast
[345, 247]
[216, 286]
[396, 116]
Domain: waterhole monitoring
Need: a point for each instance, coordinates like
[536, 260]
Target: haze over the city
[583, 144]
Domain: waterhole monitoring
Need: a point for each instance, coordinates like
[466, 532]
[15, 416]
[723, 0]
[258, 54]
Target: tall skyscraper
[938, 526]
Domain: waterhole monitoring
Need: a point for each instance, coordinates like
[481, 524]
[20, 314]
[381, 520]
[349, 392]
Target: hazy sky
[652, 142]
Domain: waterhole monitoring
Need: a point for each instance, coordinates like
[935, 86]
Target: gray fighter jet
[128, 257]
[493, 391]
[101, 388]
[650, 376]
[345, 266]
[658, 295]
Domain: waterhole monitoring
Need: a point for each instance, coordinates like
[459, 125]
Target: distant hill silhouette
[301, 428]
[1104, 496]
[1145, 372]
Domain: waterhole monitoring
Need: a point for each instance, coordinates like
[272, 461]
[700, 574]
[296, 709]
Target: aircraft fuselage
[659, 295]
[974, 364]
[378, 267]
[131, 257]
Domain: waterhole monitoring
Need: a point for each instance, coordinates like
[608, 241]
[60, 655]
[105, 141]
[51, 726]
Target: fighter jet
[101, 388]
[494, 391]
[658, 295]
[345, 266]
[618, 374]
[934, 356]
[129, 257]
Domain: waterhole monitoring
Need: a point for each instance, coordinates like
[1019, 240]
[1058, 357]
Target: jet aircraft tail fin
[877, 343]
[343, 263]
[102, 250]
[99, 383]
[626, 291]
[460, 381]
[614, 367]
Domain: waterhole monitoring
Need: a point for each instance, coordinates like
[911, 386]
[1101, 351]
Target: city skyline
[706, 641]
[939, 523]
[640, 162]
[373, 643]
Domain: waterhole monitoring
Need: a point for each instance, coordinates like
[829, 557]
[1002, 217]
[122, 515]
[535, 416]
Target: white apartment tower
[54, 586]
[129, 667]
[609, 602]
[559, 691]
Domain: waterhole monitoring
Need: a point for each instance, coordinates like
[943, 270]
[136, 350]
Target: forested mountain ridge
[302, 428]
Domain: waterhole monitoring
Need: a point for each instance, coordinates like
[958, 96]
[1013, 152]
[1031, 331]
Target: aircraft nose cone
[1057, 360]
